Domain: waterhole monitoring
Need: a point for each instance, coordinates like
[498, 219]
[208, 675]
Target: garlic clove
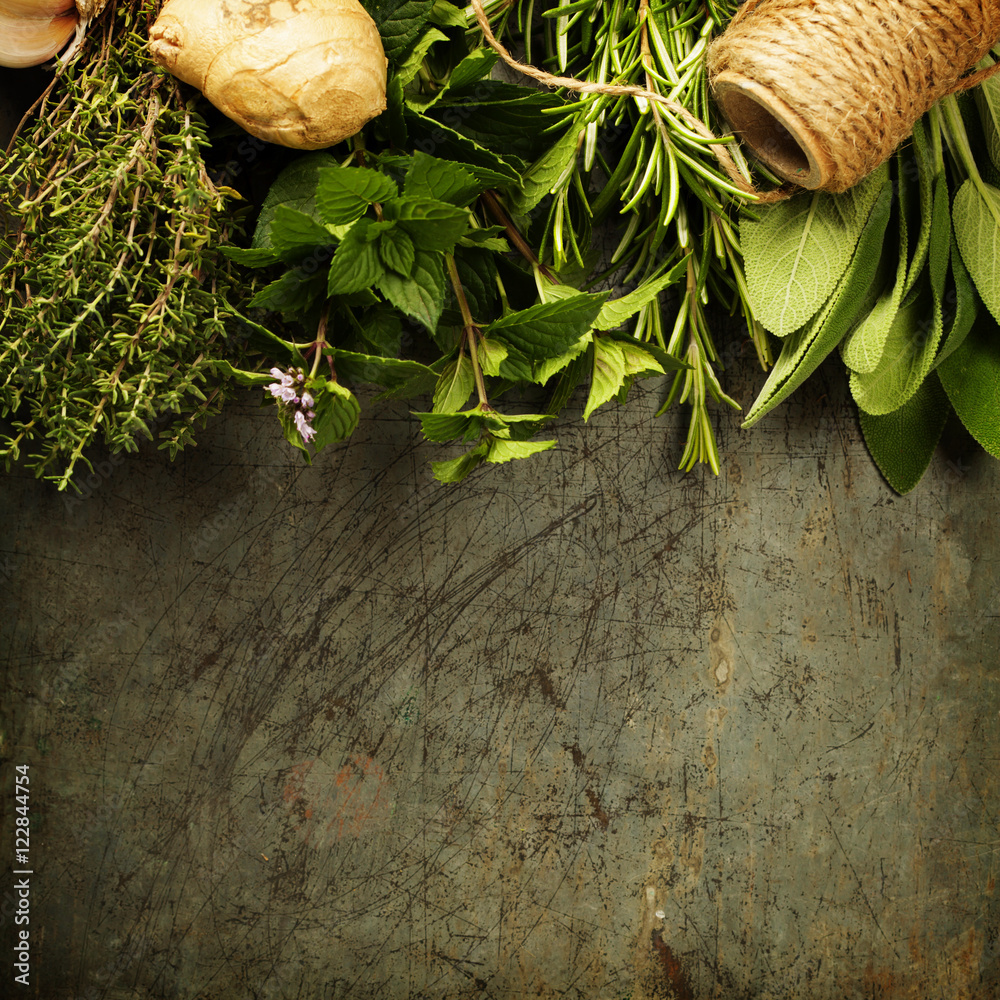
[306, 74]
[28, 40]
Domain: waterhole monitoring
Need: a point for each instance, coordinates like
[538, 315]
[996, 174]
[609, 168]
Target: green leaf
[915, 333]
[549, 328]
[797, 251]
[337, 413]
[455, 386]
[422, 294]
[258, 257]
[607, 374]
[456, 469]
[440, 140]
[443, 427]
[615, 312]
[295, 293]
[443, 180]
[415, 57]
[491, 355]
[971, 378]
[343, 194]
[396, 250]
[977, 229]
[548, 173]
[963, 297]
[394, 373]
[902, 443]
[295, 187]
[501, 450]
[244, 377]
[356, 263]
[803, 351]
[988, 102]
[399, 24]
[295, 235]
[862, 348]
[431, 224]
[542, 371]
[473, 68]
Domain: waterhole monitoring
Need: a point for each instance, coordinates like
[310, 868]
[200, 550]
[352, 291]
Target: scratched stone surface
[581, 727]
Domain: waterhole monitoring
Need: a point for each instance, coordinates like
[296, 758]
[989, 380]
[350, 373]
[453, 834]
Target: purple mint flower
[302, 426]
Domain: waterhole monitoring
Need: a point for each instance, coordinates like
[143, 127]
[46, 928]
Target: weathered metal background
[581, 727]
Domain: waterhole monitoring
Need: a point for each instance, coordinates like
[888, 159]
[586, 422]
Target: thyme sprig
[116, 305]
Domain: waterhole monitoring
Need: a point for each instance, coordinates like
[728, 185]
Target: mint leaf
[454, 387]
[491, 355]
[501, 450]
[548, 173]
[295, 235]
[401, 377]
[343, 194]
[356, 263]
[294, 187]
[443, 427]
[547, 329]
[415, 57]
[444, 180]
[440, 140]
[399, 24]
[337, 413]
[456, 469]
[431, 224]
[614, 312]
[422, 294]
[607, 374]
[397, 251]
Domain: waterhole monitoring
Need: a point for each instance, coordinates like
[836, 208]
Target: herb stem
[469, 328]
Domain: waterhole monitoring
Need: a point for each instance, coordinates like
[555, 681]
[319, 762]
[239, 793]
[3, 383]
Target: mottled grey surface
[580, 727]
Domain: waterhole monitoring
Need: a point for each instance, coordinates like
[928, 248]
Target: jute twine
[825, 90]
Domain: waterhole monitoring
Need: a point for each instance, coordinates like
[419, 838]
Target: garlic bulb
[33, 31]
[301, 73]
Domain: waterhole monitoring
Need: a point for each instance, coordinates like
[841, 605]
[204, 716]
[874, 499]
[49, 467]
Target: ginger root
[301, 73]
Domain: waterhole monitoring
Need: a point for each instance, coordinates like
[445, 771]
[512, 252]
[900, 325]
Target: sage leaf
[963, 297]
[422, 294]
[971, 378]
[976, 212]
[862, 348]
[797, 250]
[455, 386]
[988, 101]
[923, 161]
[916, 331]
[902, 443]
[803, 351]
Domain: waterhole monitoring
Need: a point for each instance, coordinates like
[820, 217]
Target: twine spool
[823, 91]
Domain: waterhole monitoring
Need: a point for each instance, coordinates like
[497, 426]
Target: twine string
[692, 121]
[857, 73]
